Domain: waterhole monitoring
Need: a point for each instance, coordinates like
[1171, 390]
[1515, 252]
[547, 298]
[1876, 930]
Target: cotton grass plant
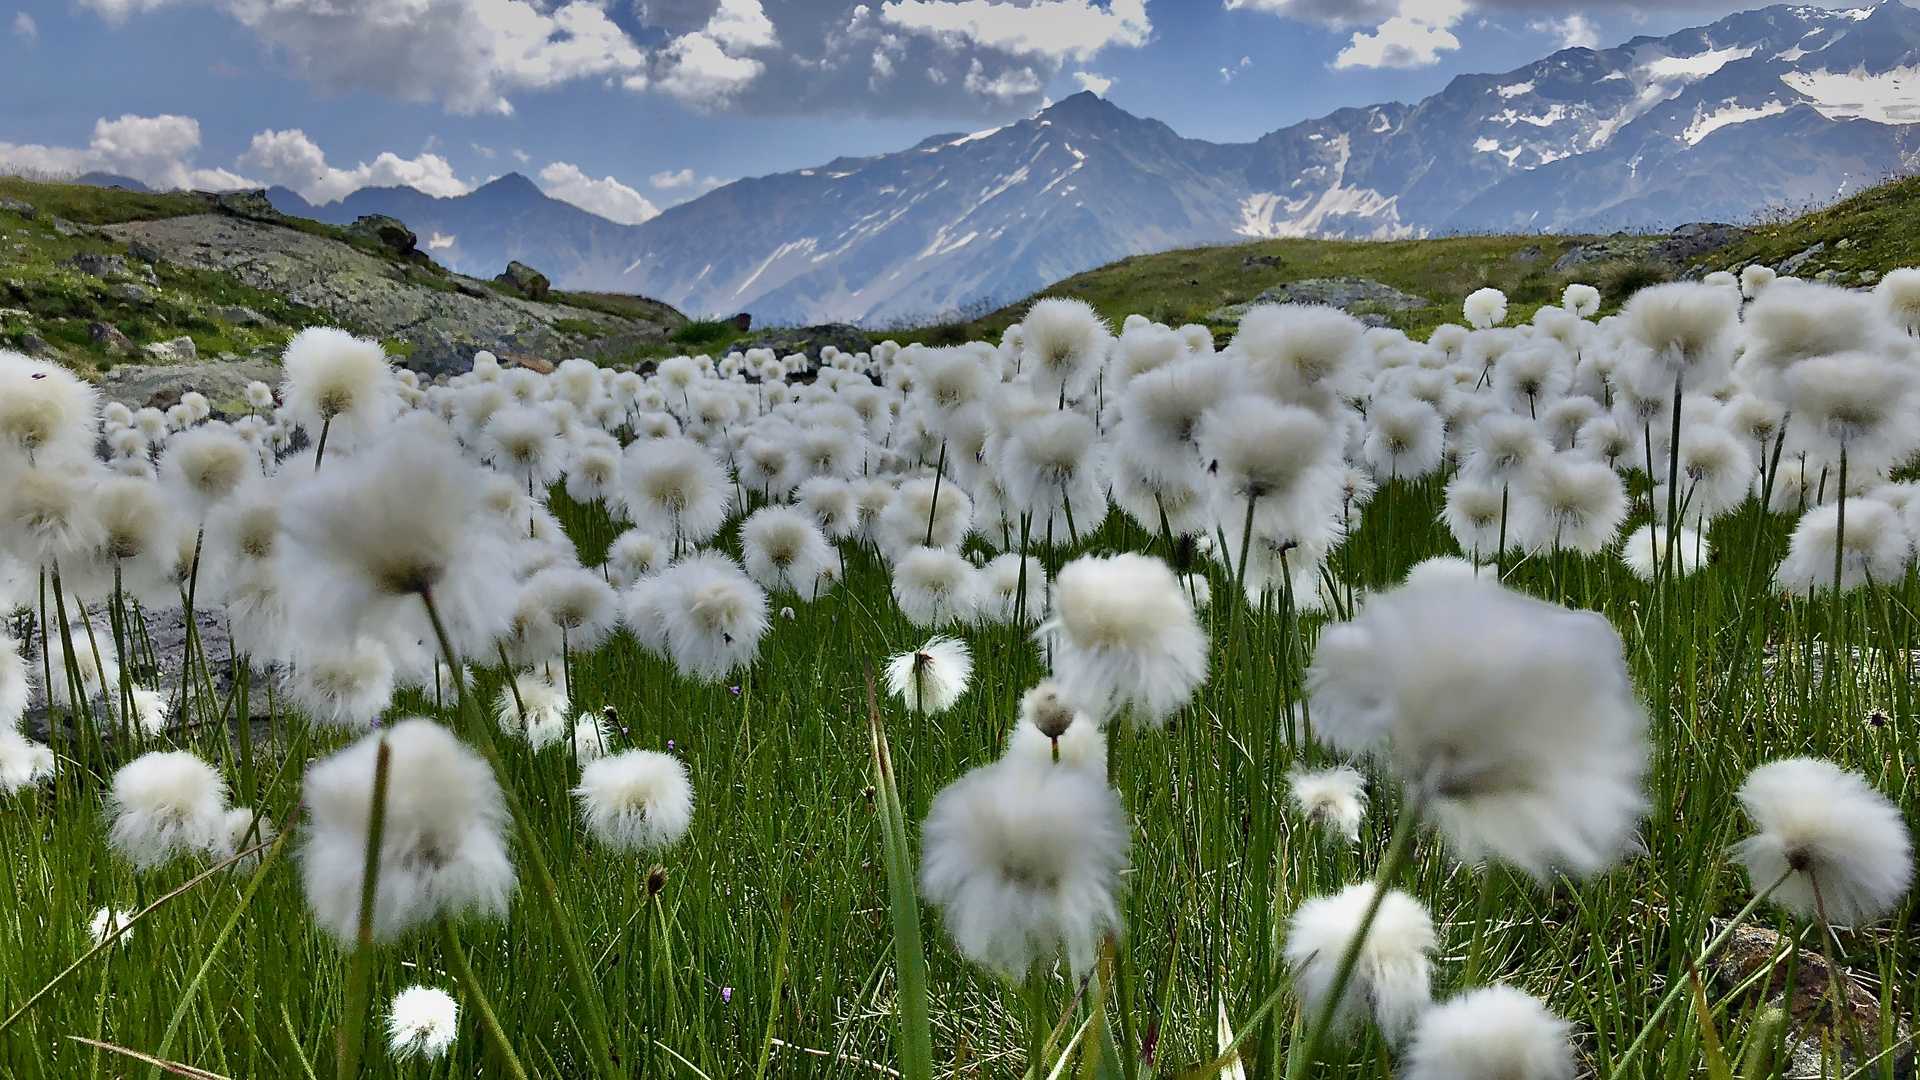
[1332, 700]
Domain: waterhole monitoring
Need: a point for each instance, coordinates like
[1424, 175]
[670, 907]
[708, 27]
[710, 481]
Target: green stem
[1676, 986]
[353, 1023]
[585, 989]
[489, 1022]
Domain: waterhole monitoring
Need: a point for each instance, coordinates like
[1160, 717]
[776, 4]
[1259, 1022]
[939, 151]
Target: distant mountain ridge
[1777, 106]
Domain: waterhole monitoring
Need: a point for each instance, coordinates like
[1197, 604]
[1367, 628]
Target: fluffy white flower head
[1841, 845]
[639, 800]
[933, 677]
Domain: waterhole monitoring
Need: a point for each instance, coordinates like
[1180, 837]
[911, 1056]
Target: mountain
[1776, 107]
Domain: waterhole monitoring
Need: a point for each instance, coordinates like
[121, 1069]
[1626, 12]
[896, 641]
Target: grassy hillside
[1865, 236]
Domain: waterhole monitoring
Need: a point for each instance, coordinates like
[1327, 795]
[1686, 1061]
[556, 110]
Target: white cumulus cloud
[1415, 37]
[1088, 80]
[25, 28]
[669, 180]
[293, 160]
[607, 197]
[1076, 28]
[469, 55]
[156, 150]
[709, 67]
[1572, 32]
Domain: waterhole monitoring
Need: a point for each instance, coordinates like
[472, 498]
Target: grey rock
[180, 350]
[145, 252]
[105, 333]
[132, 294]
[389, 233]
[98, 265]
[1617, 248]
[239, 315]
[67, 228]
[34, 345]
[473, 289]
[1254, 261]
[809, 340]
[249, 205]
[137, 385]
[1346, 292]
[1791, 264]
[526, 281]
[16, 206]
[1530, 253]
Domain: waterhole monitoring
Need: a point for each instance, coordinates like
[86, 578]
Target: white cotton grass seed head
[1514, 717]
[592, 737]
[46, 412]
[422, 1023]
[1645, 551]
[1899, 296]
[933, 677]
[152, 709]
[338, 382]
[165, 805]
[935, 587]
[535, 708]
[1875, 547]
[1024, 862]
[442, 851]
[22, 761]
[639, 800]
[1485, 308]
[343, 684]
[1064, 344]
[1012, 588]
[16, 685]
[1123, 636]
[1049, 722]
[1843, 849]
[783, 551]
[1335, 798]
[711, 614]
[1582, 300]
[1391, 983]
[1496, 1031]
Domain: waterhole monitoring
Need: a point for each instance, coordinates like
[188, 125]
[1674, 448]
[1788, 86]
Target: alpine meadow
[959, 540]
[1532, 701]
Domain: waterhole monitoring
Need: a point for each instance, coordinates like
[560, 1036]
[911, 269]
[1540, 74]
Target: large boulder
[1675, 249]
[180, 350]
[525, 280]
[390, 234]
[809, 340]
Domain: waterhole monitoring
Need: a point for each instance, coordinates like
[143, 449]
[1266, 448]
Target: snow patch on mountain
[1887, 97]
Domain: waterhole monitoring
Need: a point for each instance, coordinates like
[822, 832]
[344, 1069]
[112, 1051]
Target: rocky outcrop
[1365, 297]
[389, 234]
[223, 383]
[387, 298]
[1675, 249]
[525, 280]
[808, 339]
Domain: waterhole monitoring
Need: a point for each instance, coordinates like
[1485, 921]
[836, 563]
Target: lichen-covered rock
[384, 298]
[526, 281]
[223, 383]
[180, 350]
[1360, 296]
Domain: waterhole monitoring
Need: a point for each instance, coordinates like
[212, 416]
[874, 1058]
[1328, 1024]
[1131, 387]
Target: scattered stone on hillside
[525, 280]
[250, 205]
[1530, 253]
[67, 228]
[473, 289]
[809, 340]
[1364, 297]
[1758, 955]
[390, 233]
[139, 385]
[1252, 261]
[742, 322]
[98, 265]
[105, 333]
[1791, 264]
[180, 350]
[531, 363]
[239, 315]
[34, 345]
[143, 251]
[16, 206]
[376, 296]
[132, 294]
[1675, 249]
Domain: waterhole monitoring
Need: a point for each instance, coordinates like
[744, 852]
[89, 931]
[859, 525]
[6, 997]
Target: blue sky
[628, 106]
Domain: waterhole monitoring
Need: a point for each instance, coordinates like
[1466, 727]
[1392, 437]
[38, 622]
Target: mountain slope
[1780, 106]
